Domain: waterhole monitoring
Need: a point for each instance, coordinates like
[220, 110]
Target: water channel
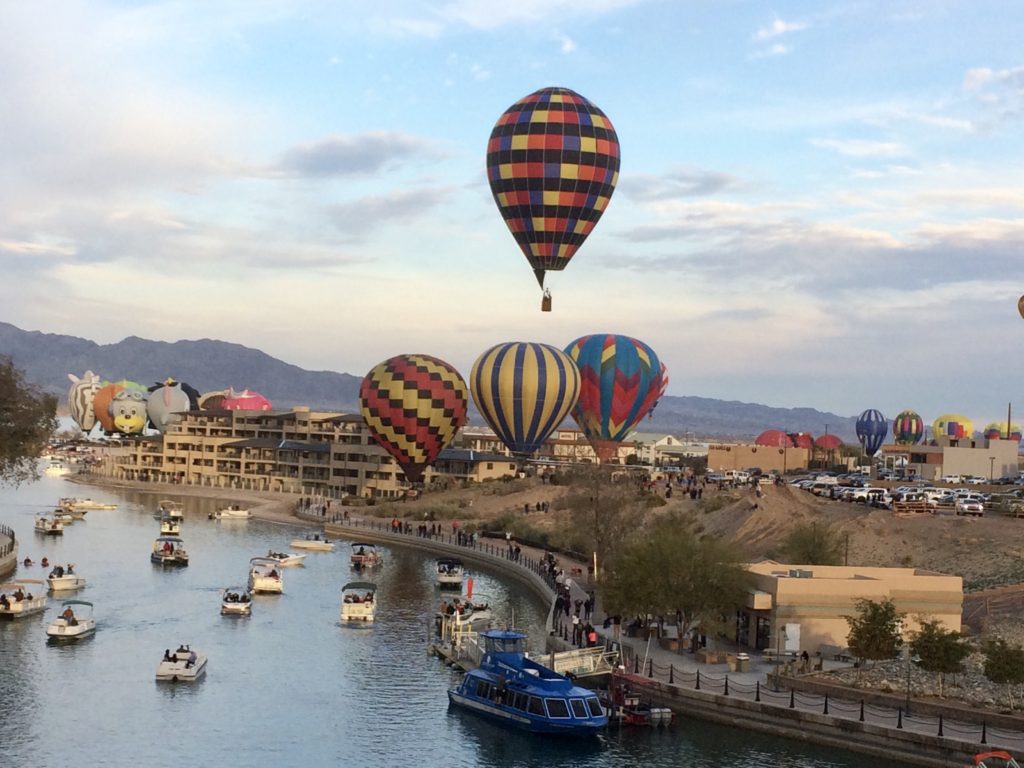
[288, 685]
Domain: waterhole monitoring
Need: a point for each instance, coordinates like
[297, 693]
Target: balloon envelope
[166, 401]
[997, 431]
[908, 428]
[80, 399]
[1020, 306]
[872, 427]
[413, 405]
[828, 443]
[524, 391]
[953, 425]
[552, 163]
[620, 381]
[245, 401]
[773, 438]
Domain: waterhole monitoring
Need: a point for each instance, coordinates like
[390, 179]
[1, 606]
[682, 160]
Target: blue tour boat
[511, 688]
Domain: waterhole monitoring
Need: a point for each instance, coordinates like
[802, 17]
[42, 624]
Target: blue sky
[819, 204]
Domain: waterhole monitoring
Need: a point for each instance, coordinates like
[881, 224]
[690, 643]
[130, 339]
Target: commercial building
[803, 607]
[985, 458]
[766, 458]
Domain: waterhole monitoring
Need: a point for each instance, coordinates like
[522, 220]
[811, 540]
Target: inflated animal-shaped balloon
[166, 402]
[128, 411]
[80, 399]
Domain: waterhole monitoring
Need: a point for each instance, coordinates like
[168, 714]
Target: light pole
[910, 659]
[991, 467]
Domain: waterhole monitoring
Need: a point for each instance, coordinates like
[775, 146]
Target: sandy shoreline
[272, 507]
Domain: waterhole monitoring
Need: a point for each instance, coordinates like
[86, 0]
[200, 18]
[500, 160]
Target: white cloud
[487, 14]
[567, 44]
[774, 50]
[479, 73]
[862, 147]
[779, 27]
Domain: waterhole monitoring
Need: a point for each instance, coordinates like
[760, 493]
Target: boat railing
[461, 636]
[582, 662]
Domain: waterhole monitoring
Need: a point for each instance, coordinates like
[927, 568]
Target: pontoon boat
[21, 598]
[169, 550]
[49, 526]
[357, 602]
[364, 555]
[450, 573]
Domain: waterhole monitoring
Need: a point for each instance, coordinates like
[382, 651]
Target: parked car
[970, 507]
[974, 479]
[952, 479]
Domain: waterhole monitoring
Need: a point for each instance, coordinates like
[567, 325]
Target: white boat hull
[230, 514]
[49, 527]
[449, 581]
[180, 670]
[235, 609]
[312, 544]
[65, 583]
[61, 630]
[290, 561]
[357, 613]
[25, 607]
[266, 585]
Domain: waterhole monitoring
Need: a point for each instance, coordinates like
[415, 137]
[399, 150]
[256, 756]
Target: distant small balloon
[1020, 306]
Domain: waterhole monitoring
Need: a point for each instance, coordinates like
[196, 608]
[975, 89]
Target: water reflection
[286, 684]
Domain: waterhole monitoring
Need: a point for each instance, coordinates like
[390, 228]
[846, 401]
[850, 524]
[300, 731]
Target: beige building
[802, 607]
[298, 451]
[767, 459]
[989, 459]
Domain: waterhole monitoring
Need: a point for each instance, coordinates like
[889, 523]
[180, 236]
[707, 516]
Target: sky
[819, 204]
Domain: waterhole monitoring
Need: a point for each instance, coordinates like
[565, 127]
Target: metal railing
[848, 708]
[10, 545]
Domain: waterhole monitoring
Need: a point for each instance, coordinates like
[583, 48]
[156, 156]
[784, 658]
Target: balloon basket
[545, 303]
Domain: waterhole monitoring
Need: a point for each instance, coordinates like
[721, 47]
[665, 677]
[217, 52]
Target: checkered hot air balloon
[908, 428]
[524, 391]
[621, 380]
[954, 426]
[552, 163]
[872, 427]
[413, 405]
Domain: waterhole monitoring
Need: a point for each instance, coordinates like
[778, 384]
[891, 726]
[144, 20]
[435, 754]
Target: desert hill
[986, 551]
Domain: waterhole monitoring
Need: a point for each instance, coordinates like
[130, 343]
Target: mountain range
[208, 364]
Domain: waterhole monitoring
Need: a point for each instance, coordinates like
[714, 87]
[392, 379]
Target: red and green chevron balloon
[622, 380]
[413, 406]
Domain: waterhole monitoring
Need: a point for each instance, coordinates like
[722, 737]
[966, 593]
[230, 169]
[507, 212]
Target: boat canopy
[449, 561]
[363, 544]
[504, 641]
[263, 561]
[360, 586]
[172, 539]
[77, 602]
[15, 583]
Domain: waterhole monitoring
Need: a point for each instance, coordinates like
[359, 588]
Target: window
[595, 706]
[520, 700]
[483, 689]
[536, 706]
[557, 708]
[578, 708]
[490, 465]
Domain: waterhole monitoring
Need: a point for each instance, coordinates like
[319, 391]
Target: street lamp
[991, 467]
[910, 658]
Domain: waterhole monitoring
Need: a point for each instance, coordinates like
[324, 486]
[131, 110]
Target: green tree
[813, 544]
[670, 570]
[1004, 665]
[602, 512]
[28, 416]
[941, 650]
[875, 630]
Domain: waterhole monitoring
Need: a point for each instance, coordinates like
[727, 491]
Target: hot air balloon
[872, 427]
[997, 431]
[413, 405]
[1020, 306]
[908, 428]
[828, 443]
[954, 426]
[552, 163]
[213, 401]
[802, 439]
[80, 399]
[621, 380]
[773, 438]
[128, 411]
[168, 399]
[524, 391]
[245, 401]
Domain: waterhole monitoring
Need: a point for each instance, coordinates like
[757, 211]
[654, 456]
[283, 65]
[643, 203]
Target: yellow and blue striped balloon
[524, 391]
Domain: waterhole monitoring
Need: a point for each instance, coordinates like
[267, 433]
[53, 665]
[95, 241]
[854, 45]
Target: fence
[10, 545]
[845, 708]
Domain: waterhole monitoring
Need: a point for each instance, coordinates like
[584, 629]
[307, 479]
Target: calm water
[287, 685]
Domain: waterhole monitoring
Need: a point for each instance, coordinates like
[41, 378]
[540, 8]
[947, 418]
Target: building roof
[462, 454]
[646, 437]
[298, 445]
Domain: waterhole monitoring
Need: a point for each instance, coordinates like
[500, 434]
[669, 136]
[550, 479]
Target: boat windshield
[504, 642]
